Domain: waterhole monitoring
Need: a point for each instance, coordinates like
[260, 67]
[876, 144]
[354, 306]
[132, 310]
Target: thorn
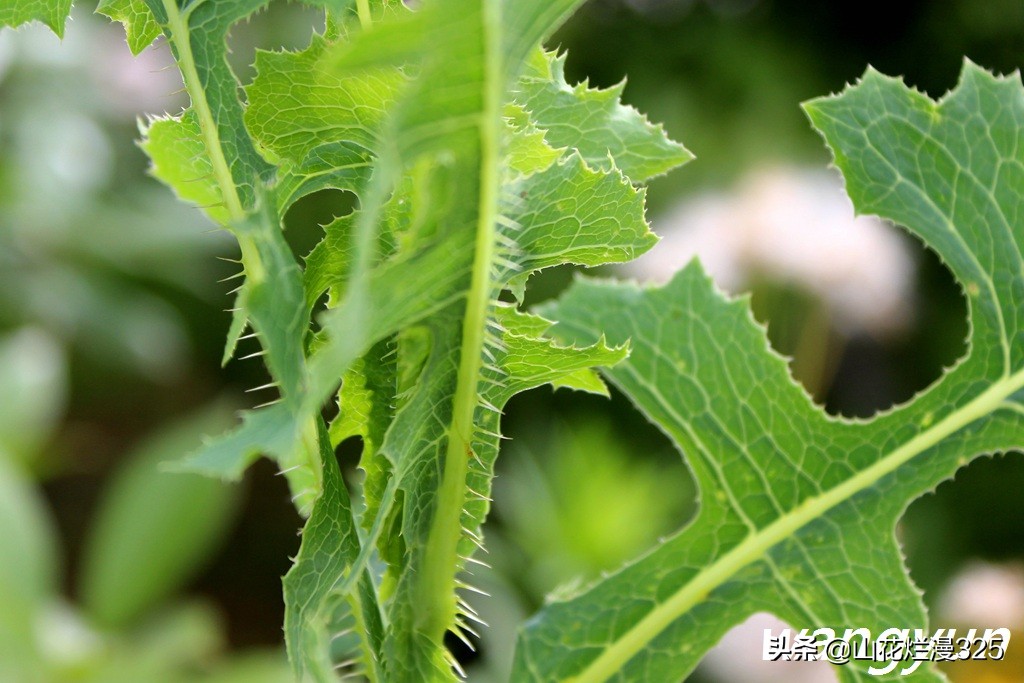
[271, 403]
[473, 589]
[479, 495]
[475, 618]
[508, 222]
[493, 381]
[472, 560]
[458, 667]
[300, 494]
[287, 470]
[457, 632]
[268, 385]
[506, 241]
[461, 623]
[489, 354]
[487, 405]
[506, 263]
[261, 352]
[465, 607]
[478, 544]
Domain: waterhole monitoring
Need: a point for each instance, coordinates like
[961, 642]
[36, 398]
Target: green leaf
[197, 33]
[175, 147]
[570, 213]
[264, 431]
[799, 508]
[274, 299]
[153, 529]
[528, 151]
[367, 402]
[53, 13]
[461, 193]
[332, 122]
[330, 545]
[595, 122]
[29, 574]
[410, 266]
[140, 25]
[527, 23]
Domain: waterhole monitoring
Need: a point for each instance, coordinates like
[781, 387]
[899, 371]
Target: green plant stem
[177, 23]
[436, 605]
[365, 18]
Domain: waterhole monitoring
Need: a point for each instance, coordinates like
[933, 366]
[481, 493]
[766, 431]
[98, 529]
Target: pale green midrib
[180, 35]
[437, 610]
[365, 18]
[614, 657]
[207, 126]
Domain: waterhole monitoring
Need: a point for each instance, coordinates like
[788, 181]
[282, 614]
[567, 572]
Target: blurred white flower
[147, 83]
[739, 656]
[33, 373]
[984, 595]
[796, 227]
[124, 86]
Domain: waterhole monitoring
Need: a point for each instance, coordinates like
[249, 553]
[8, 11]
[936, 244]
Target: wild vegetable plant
[476, 165]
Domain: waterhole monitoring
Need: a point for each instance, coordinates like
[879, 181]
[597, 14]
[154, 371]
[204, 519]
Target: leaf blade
[791, 493]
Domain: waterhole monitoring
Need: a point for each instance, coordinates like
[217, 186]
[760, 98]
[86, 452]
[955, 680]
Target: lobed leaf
[595, 122]
[316, 125]
[140, 26]
[179, 160]
[799, 508]
[53, 13]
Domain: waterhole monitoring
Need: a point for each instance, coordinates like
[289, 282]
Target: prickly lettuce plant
[475, 165]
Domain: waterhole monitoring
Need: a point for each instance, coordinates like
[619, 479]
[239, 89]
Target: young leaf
[595, 122]
[332, 121]
[799, 508]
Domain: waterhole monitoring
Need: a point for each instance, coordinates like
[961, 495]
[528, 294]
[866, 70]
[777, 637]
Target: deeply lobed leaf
[799, 508]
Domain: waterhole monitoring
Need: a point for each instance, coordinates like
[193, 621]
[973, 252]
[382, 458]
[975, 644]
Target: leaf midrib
[757, 544]
[436, 583]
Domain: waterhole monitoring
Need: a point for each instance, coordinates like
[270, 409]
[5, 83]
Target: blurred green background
[112, 325]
